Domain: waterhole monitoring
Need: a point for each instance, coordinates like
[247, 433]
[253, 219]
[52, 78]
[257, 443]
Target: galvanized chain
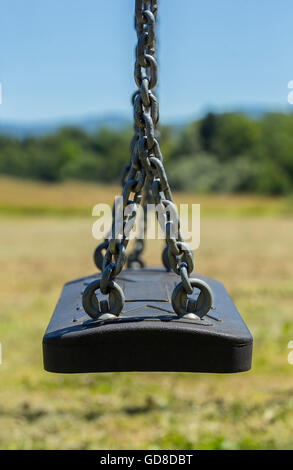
[134, 258]
[145, 167]
[133, 174]
[147, 149]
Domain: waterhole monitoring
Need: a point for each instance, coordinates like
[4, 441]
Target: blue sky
[67, 58]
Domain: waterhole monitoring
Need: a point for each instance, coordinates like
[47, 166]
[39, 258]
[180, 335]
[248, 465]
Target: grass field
[45, 240]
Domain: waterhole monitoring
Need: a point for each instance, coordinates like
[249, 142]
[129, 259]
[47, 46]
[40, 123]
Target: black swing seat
[147, 335]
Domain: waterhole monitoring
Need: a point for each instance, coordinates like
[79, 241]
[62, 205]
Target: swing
[145, 319]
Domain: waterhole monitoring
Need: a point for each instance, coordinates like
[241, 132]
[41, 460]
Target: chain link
[134, 259]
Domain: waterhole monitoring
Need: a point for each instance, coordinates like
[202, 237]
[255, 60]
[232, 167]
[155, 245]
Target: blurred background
[227, 141]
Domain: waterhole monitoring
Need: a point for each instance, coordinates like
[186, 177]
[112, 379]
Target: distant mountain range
[114, 121]
[43, 127]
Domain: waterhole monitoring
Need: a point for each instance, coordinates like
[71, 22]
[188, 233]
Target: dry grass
[252, 256]
[77, 198]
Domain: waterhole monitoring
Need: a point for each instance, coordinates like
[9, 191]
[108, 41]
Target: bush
[222, 153]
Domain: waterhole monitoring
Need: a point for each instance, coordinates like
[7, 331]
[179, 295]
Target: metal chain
[145, 168]
[134, 259]
[134, 174]
[146, 116]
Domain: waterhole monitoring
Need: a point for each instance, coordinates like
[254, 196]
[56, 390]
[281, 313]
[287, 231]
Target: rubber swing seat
[147, 335]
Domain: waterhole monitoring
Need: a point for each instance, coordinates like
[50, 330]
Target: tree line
[227, 152]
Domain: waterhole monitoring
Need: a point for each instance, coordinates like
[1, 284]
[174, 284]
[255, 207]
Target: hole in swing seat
[147, 335]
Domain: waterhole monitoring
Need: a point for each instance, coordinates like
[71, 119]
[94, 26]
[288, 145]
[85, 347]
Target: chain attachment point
[191, 308]
[144, 175]
[104, 309]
